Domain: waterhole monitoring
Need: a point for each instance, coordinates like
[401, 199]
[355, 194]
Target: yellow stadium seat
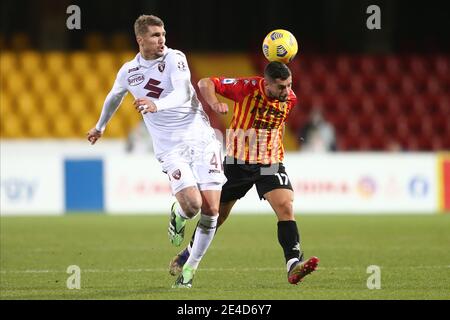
[125, 56]
[62, 126]
[91, 83]
[41, 82]
[38, 126]
[15, 83]
[30, 62]
[105, 63]
[8, 62]
[4, 115]
[52, 104]
[84, 123]
[12, 126]
[128, 100]
[116, 129]
[132, 121]
[26, 105]
[67, 83]
[55, 62]
[76, 104]
[81, 63]
[128, 111]
[5, 103]
[127, 108]
[108, 79]
[129, 114]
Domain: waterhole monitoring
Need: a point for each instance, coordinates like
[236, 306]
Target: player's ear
[139, 40]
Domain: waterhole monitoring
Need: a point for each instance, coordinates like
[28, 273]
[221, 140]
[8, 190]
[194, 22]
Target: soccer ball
[280, 45]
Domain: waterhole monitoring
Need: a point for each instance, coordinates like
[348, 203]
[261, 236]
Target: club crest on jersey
[136, 79]
[161, 66]
[181, 66]
[176, 174]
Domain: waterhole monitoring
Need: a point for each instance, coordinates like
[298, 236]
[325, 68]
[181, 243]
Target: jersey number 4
[155, 91]
[215, 163]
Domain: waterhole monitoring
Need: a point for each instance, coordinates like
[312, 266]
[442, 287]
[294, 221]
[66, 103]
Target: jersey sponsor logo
[136, 79]
[133, 69]
[176, 174]
[229, 81]
[155, 91]
[214, 171]
[181, 66]
[161, 66]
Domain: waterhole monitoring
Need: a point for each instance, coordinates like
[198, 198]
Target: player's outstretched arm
[93, 135]
[208, 92]
[111, 104]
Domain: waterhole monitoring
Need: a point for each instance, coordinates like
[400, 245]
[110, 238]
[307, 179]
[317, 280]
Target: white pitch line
[213, 269]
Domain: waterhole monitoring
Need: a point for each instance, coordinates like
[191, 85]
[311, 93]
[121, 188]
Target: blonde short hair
[141, 24]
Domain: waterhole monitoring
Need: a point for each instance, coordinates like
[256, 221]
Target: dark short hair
[141, 24]
[277, 70]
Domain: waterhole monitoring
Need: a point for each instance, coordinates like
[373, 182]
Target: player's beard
[152, 53]
[280, 97]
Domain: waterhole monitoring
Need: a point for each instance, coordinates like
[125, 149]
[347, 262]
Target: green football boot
[184, 280]
[176, 227]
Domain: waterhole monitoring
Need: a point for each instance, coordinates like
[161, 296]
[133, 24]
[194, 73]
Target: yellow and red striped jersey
[255, 134]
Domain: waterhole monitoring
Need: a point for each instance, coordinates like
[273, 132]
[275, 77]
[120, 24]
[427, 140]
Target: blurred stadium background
[375, 87]
[385, 93]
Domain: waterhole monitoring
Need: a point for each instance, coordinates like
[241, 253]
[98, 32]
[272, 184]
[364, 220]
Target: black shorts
[242, 177]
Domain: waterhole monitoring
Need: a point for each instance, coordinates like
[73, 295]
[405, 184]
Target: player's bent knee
[284, 209]
[193, 207]
[210, 210]
[190, 201]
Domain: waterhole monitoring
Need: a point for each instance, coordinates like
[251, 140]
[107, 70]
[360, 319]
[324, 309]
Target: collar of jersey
[149, 63]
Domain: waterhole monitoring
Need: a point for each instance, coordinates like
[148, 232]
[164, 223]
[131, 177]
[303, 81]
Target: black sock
[289, 239]
[193, 236]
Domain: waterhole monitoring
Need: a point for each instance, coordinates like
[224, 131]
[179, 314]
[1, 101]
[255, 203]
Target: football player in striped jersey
[255, 155]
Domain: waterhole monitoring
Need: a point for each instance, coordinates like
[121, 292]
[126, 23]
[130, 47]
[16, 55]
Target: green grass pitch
[126, 257]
